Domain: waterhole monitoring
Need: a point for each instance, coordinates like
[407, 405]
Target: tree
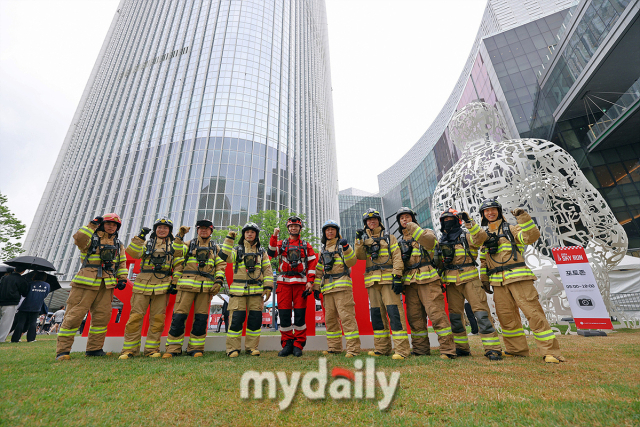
[269, 220]
[11, 229]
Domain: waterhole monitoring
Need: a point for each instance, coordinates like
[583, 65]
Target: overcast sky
[393, 65]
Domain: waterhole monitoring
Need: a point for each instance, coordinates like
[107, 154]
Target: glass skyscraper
[197, 109]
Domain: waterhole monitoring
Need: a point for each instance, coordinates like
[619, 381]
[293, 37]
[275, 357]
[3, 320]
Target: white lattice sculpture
[546, 181]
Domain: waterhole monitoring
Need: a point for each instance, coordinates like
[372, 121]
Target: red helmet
[449, 213]
[112, 217]
[294, 220]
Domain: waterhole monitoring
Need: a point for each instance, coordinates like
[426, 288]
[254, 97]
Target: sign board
[585, 300]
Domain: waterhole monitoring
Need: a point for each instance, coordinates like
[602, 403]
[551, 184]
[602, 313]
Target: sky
[394, 63]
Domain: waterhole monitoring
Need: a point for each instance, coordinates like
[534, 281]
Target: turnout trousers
[290, 300]
[175, 338]
[422, 301]
[384, 302]
[81, 301]
[340, 309]
[157, 305]
[477, 297]
[523, 295]
[240, 308]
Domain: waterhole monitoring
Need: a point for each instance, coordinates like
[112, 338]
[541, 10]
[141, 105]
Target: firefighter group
[467, 262]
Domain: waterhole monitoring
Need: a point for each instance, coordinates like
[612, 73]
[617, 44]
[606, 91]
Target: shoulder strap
[239, 254]
[506, 230]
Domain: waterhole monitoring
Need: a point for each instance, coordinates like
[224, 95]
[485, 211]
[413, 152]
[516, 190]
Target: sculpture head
[477, 121]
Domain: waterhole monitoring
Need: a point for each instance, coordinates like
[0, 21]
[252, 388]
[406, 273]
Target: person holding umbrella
[31, 307]
[103, 268]
[12, 287]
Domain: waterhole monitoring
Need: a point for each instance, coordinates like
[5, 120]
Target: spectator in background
[31, 308]
[12, 287]
[56, 320]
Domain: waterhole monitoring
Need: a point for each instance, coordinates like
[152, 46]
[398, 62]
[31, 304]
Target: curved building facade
[514, 39]
[197, 108]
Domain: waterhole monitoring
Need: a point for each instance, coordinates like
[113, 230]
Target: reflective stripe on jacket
[329, 284]
[427, 239]
[475, 238]
[87, 277]
[525, 233]
[263, 271]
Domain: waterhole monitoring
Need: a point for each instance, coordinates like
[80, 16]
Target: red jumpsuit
[291, 283]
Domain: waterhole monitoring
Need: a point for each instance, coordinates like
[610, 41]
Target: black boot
[287, 349]
[462, 353]
[95, 353]
[493, 355]
[297, 351]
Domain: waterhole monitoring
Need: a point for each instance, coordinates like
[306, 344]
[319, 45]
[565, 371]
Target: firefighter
[383, 280]
[296, 268]
[201, 276]
[422, 287]
[151, 286]
[103, 268]
[333, 280]
[252, 284]
[503, 268]
[458, 248]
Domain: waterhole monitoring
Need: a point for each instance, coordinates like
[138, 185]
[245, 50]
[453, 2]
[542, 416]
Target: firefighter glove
[344, 244]
[97, 220]
[487, 287]
[316, 294]
[306, 293]
[122, 283]
[216, 287]
[232, 234]
[266, 294]
[183, 230]
[517, 212]
[172, 289]
[143, 232]
[464, 216]
[397, 284]
[359, 234]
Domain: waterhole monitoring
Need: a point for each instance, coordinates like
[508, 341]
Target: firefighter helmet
[327, 224]
[163, 221]
[449, 213]
[250, 226]
[112, 217]
[294, 220]
[204, 223]
[405, 210]
[372, 213]
[490, 203]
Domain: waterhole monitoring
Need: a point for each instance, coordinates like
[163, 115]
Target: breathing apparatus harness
[251, 263]
[492, 245]
[159, 258]
[446, 252]
[373, 250]
[202, 256]
[327, 258]
[295, 255]
[406, 249]
[109, 254]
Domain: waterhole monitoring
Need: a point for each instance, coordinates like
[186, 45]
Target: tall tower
[197, 109]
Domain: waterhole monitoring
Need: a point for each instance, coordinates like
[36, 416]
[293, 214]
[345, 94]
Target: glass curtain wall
[198, 109]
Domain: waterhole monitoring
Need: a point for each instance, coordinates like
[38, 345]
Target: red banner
[360, 296]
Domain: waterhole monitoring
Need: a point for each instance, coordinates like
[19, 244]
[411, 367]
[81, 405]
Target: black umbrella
[31, 263]
[5, 269]
[52, 280]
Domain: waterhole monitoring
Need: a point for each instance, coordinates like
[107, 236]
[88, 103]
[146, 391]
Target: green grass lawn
[599, 385]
